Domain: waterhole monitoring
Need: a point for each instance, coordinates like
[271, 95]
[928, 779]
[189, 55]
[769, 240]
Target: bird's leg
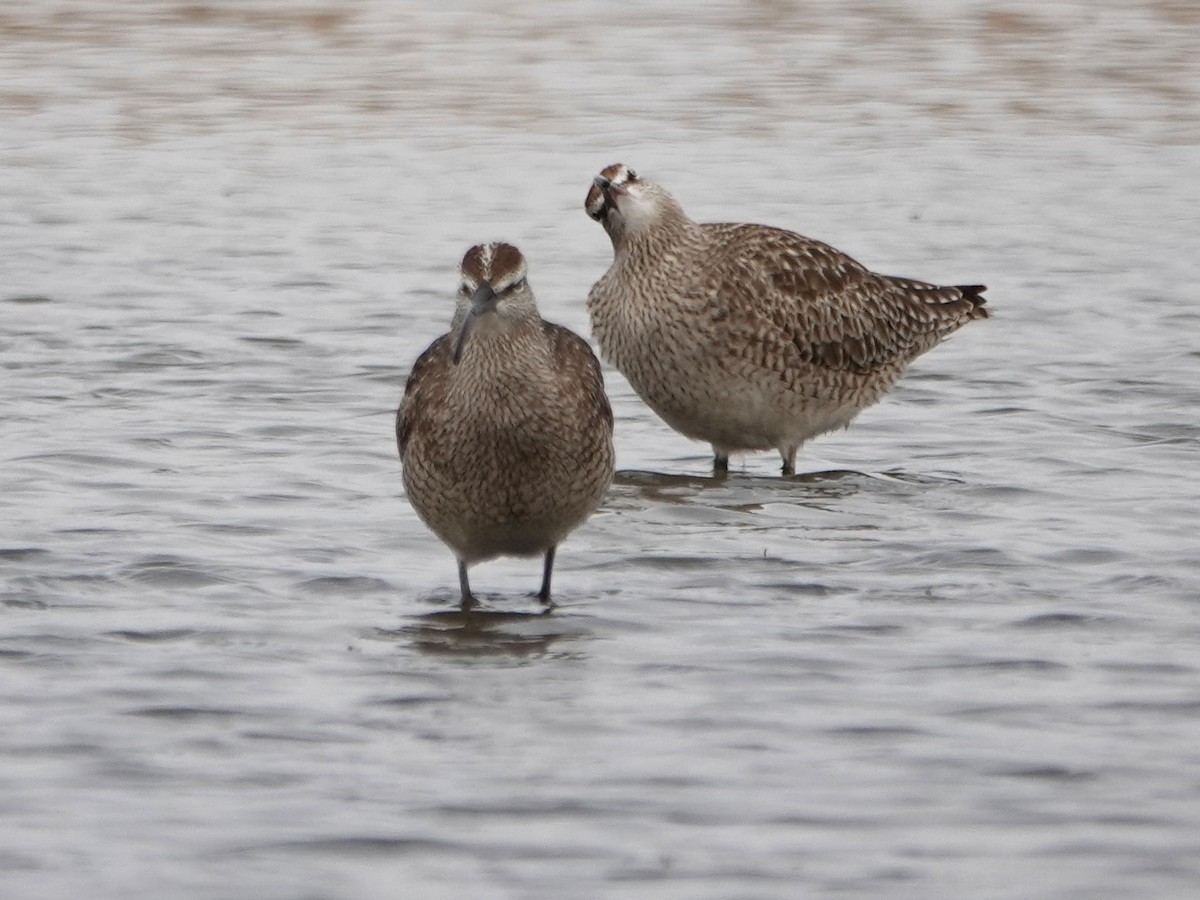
[789, 460]
[468, 599]
[720, 463]
[547, 569]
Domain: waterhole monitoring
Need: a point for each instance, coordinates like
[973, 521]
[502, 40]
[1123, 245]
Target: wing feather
[422, 378]
[807, 302]
[580, 368]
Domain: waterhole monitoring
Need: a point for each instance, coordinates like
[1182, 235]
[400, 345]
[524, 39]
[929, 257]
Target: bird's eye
[632, 174]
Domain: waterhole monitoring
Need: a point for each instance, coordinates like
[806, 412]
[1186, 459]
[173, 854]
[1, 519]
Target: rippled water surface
[958, 656]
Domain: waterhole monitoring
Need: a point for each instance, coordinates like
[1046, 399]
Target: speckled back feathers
[749, 336]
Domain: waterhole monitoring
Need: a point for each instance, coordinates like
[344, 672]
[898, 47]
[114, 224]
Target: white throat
[640, 210]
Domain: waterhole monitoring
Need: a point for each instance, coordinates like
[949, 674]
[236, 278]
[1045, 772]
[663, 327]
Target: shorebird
[504, 431]
[750, 337]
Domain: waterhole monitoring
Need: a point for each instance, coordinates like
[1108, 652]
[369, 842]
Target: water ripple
[956, 654]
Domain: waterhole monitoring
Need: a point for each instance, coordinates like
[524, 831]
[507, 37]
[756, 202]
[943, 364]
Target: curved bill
[607, 189]
[482, 300]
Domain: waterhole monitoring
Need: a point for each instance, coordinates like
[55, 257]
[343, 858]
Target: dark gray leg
[720, 464]
[789, 460]
[547, 569]
[468, 599]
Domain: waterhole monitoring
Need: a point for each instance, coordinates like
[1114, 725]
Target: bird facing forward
[504, 431]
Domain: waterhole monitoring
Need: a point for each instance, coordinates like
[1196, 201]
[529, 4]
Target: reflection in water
[749, 492]
[481, 633]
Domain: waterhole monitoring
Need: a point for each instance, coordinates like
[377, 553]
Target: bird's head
[493, 290]
[625, 204]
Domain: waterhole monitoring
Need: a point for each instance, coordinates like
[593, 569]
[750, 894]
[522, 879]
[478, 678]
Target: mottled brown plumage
[505, 431]
[751, 337]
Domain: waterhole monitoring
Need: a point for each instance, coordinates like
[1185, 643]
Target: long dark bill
[482, 300]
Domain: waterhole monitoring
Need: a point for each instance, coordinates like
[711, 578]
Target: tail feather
[971, 292]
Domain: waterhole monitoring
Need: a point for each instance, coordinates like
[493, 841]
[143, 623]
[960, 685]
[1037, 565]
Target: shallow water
[959, 655]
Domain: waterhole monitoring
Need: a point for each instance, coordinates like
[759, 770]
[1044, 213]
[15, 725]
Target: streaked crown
[499, 264]
[600, 195]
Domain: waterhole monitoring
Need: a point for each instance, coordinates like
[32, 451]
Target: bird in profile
[750, 337]
[504, 430]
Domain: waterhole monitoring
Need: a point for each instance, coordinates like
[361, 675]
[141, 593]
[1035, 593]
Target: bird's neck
[672, 239]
